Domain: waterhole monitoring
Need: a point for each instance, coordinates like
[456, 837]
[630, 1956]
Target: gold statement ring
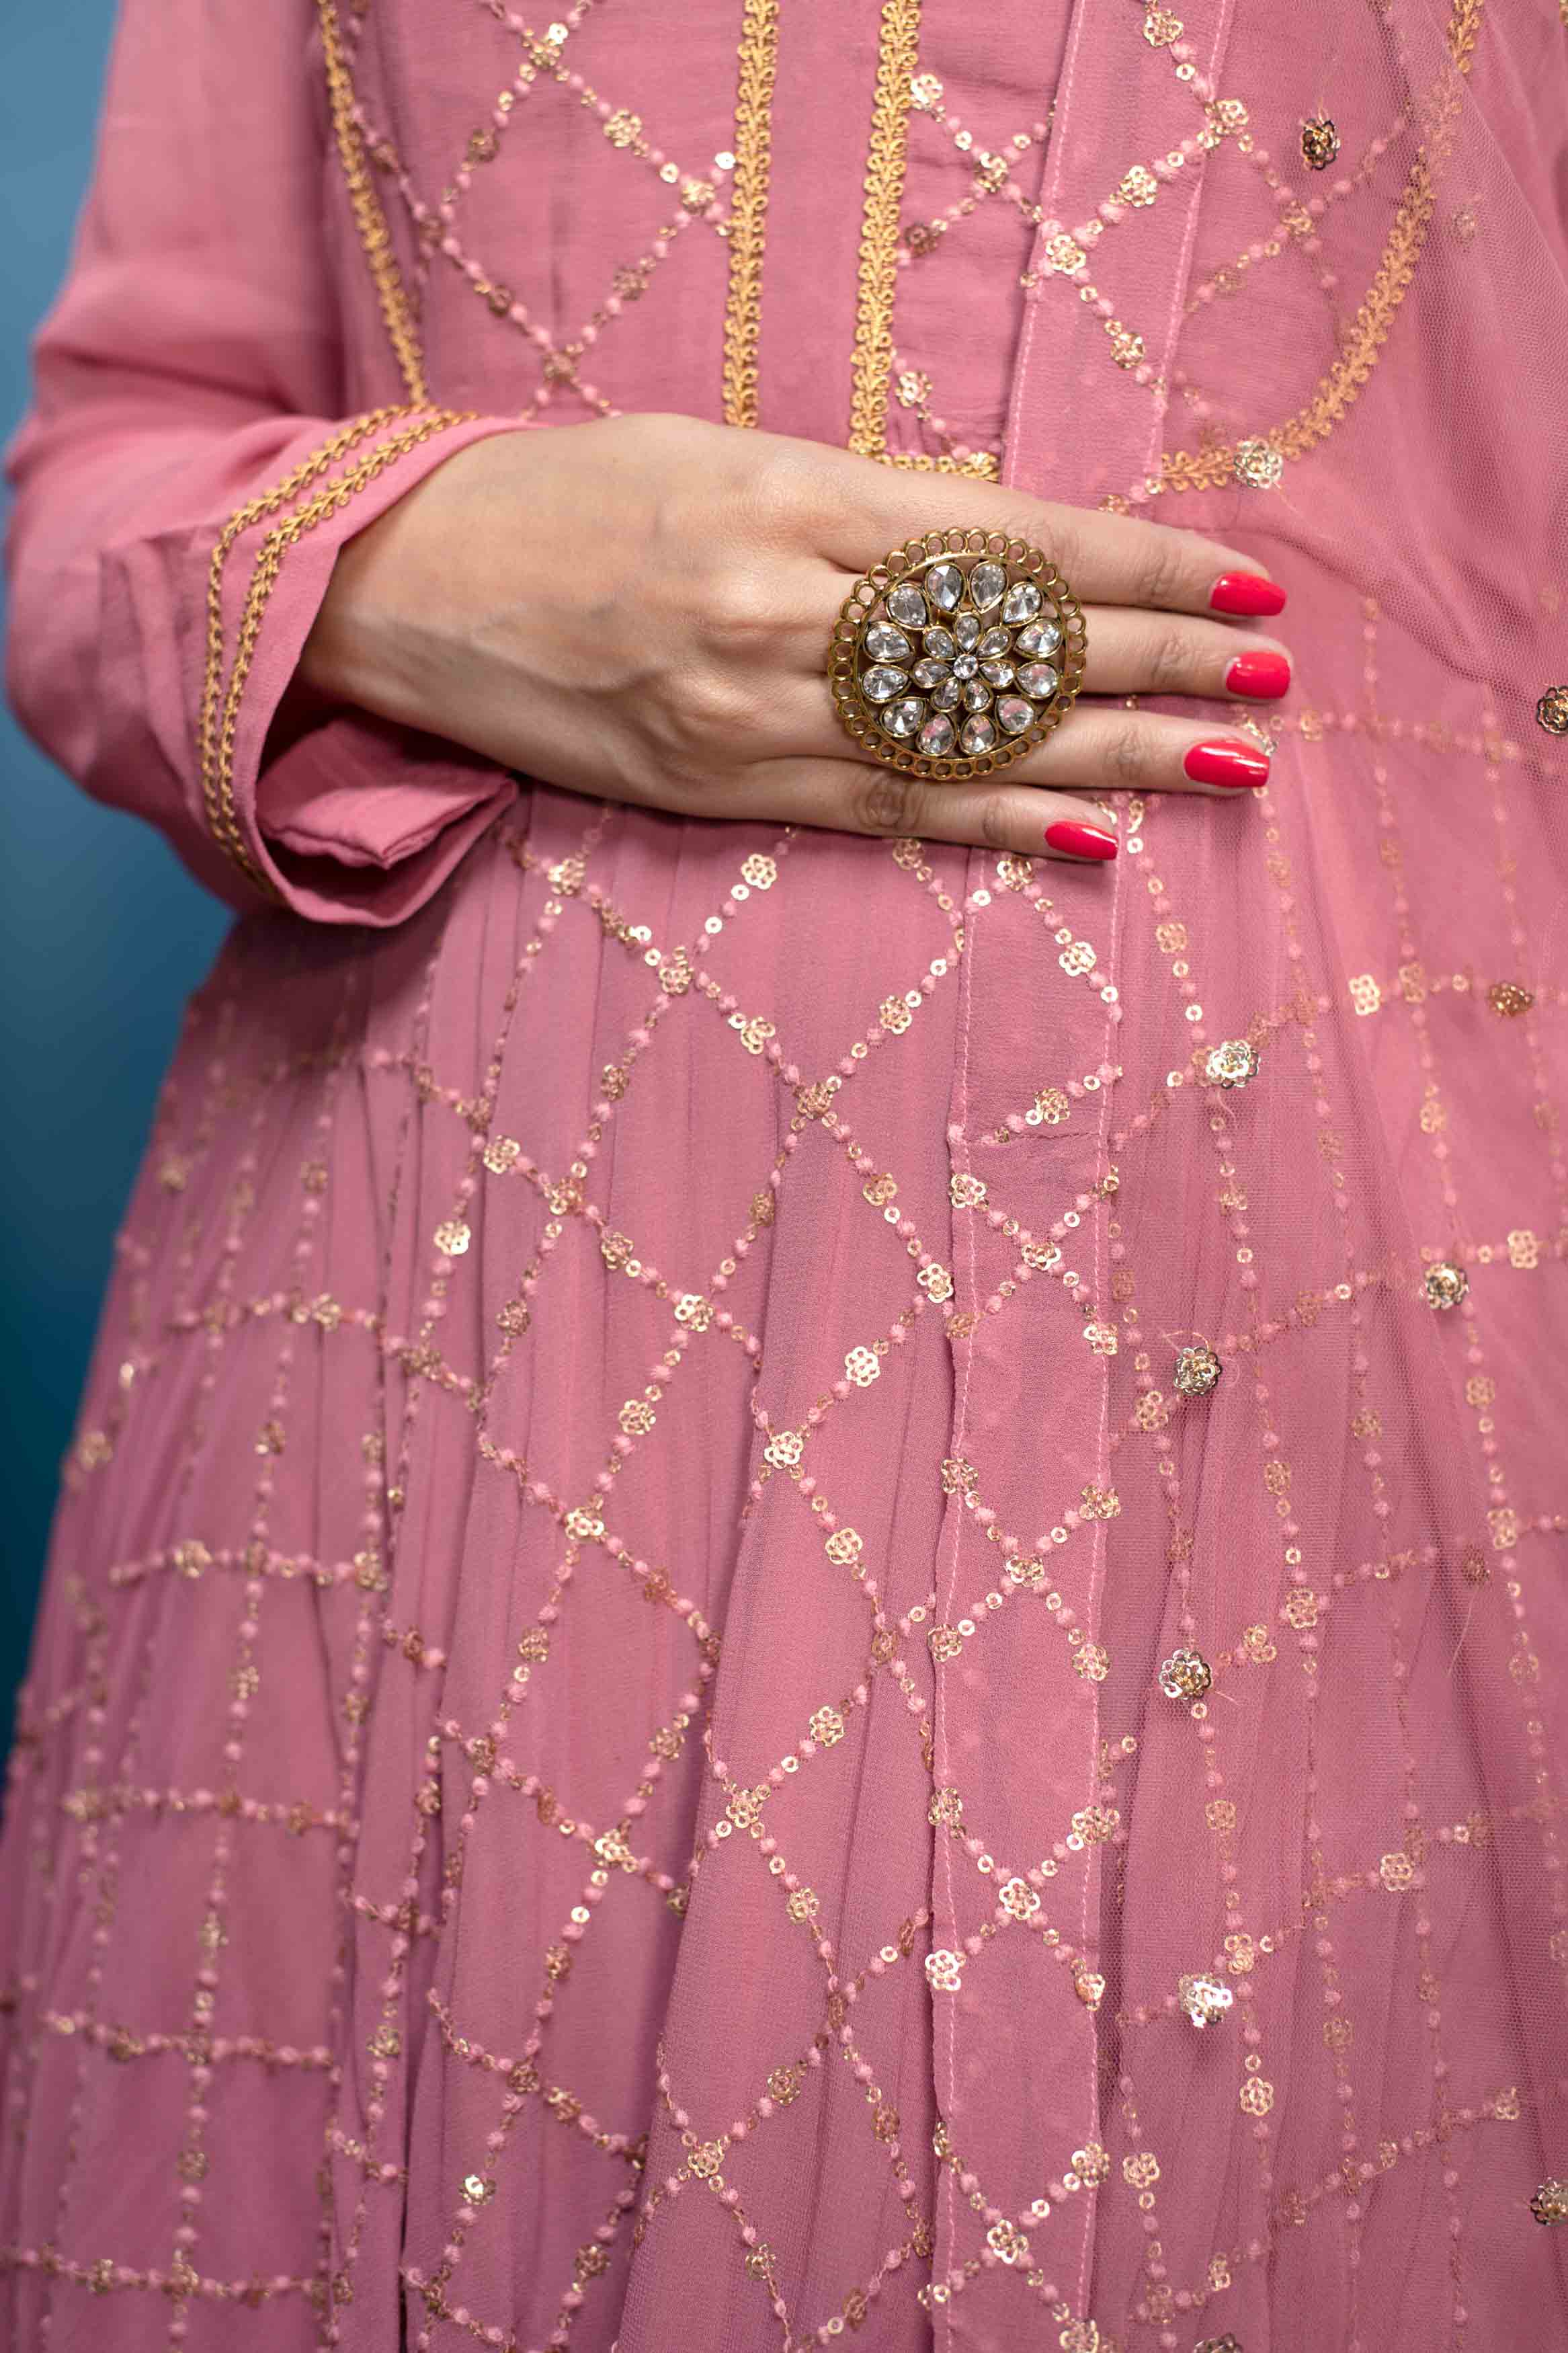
[956, 654]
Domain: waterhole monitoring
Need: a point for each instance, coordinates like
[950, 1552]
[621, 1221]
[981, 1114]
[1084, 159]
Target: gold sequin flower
[945, 1970]
[1205, 2000]
[1197, 1370]
[1550, 2203]
[1319, 142]
[1185, 1675]
[1231, 1063]
[1445, 1284]
[1259, 464]
[1552, 710]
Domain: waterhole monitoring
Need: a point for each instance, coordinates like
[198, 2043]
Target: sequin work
[1197, 1370]
[810, 1590]
[1185, 1675]
[1232, 1063]
[1319, 142]
[1550, 2203]
[1446, 1285]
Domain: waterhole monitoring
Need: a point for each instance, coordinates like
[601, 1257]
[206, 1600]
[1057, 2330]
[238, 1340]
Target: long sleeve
[188, 472]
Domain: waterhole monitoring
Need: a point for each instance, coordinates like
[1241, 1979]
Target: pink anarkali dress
[672, 1710]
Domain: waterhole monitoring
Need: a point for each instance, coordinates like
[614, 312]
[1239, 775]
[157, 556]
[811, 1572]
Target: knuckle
[784, 488]
[1162, 569]
[994, 827]
[1061, 538]
[702, 712]
[886, 802]
[1169, 660]
[741, 614]
[1127, 755]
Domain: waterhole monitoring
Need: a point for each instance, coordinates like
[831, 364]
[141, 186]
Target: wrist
[349, 657]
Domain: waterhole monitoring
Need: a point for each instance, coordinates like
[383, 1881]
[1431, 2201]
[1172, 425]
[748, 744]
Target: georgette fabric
[598, 1770]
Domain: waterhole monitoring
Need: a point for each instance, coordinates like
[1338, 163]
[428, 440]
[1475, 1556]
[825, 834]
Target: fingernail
[1246, 592]
[1261, 674]
[1081, 840]
[1226, 764]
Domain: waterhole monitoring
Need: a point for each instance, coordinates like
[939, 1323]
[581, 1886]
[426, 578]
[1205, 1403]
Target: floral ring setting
[956, 654]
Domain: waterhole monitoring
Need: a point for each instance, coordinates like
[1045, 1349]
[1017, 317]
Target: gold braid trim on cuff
[220, 706]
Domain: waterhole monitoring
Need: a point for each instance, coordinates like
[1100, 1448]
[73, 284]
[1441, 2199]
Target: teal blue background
[103, 935]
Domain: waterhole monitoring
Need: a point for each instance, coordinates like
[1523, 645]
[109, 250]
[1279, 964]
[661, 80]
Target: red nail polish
[1246, 592]
[1262, 673]
[1226, 764]
[1081, 840]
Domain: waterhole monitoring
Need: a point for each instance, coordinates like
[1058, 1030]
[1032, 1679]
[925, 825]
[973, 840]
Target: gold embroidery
[216, 737]
[369, 218]
[748, 213]
[1209, 468]
[1319, 142]
[873, 361]
[982, 464]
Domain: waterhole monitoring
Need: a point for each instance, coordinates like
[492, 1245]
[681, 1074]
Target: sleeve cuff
[356, 820]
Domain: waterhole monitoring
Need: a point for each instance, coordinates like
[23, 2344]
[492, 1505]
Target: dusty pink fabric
[496, 1854]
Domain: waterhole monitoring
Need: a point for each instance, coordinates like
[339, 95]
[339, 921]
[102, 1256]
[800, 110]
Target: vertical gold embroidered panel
[369, 218]
[748, 210]
[897, 52]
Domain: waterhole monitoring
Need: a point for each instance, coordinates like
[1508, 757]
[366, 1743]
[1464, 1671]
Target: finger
[863, 510]
[1132, 652]
[862, 797]
[1103, 748]
[1099, 747]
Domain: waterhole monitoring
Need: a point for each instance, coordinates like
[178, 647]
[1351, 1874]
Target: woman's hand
[640, 610]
